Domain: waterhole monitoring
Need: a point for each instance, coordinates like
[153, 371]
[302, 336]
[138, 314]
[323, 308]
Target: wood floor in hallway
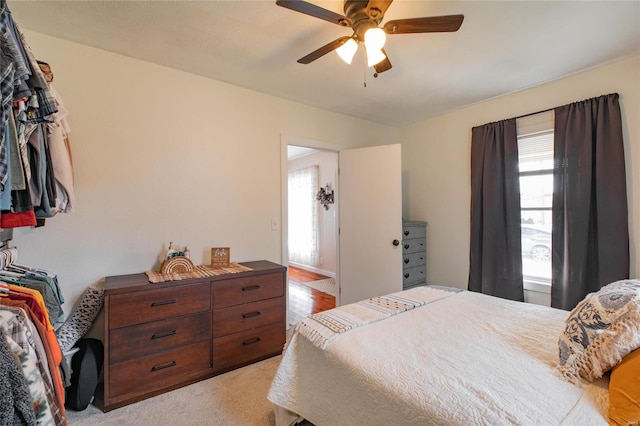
[303, 300]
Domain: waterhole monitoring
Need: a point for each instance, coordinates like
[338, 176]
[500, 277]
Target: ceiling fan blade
[377, 8]
[323, 50]
[315, 11]
[431, 24]
[384, 65]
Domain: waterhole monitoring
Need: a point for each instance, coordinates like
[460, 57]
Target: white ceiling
[502, 47]
[294, 151]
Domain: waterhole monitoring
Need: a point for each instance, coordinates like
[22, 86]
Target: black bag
[85, 365]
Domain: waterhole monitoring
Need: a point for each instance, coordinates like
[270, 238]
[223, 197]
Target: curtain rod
[533, 113]
[551, 109]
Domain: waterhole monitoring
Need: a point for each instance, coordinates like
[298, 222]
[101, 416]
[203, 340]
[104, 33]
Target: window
[535, 160]
[303, 216]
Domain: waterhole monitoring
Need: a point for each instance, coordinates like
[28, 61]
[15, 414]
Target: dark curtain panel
[495, 259]
[590, 243]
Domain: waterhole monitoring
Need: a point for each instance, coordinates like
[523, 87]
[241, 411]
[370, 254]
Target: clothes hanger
[9, 280]
[6, 291]
[9, 273]
[28, 269]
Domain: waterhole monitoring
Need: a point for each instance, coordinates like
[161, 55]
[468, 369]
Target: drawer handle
[406, 246]
[251, 341]
[251, 288]
[163, 366]
[406, 261]
[251, 314]
[406, 275]
[161, 335]
[406, 233]
[166, 302]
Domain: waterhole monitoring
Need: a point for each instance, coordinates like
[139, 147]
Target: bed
[459, 358]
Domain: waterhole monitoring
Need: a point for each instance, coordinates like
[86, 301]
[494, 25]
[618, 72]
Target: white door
[370, 221]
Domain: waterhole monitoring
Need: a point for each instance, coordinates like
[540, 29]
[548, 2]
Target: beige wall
[436, 162]
[162, 155]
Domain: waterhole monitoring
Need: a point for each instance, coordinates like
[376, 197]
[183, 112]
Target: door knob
[396, 242]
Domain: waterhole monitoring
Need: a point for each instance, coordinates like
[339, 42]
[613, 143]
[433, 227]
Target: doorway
[368, 256]
[311, 248]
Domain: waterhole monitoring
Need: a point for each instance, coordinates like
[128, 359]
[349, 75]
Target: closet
[30, 305]
[36, 184]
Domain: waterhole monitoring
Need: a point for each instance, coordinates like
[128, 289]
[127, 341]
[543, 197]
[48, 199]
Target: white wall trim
[537, 286]
[312, 269]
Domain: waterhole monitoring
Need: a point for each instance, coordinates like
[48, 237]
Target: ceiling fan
[364, 18]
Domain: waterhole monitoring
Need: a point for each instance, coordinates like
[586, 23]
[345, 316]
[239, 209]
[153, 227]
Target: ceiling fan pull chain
[364, 73]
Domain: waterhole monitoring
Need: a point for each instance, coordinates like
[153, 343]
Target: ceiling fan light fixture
[364, 17]
[347, 50]
[374, 38]
[374, 57]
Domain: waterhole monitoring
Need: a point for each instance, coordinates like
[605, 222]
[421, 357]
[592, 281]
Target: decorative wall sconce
[325, 196]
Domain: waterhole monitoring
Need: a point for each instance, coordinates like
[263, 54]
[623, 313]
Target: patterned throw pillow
[600, 331]
[81, 318]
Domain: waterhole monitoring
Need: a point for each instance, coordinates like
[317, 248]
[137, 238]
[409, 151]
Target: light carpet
[326, 286]
[238, 397]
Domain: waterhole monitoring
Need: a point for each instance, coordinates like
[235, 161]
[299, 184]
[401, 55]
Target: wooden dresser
[414, 254]
[159, 337]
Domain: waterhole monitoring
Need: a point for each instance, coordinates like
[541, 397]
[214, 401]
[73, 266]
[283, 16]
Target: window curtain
[495, 257]
[303, 216]
[590, 242]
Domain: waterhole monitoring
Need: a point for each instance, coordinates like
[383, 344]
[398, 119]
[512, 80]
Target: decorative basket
[176, 265]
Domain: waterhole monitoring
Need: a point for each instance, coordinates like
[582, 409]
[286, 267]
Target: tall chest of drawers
[159, 337]
[414, 254]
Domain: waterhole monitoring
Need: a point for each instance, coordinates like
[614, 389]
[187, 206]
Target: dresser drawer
[414, 232]
[151, 305]
[157, 371]
[415, 275]
[245, 317]
[246, 346]
[246, 290]
[140, 340]
[414, 245]
[410, 260]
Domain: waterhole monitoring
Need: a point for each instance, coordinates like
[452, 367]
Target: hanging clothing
[61, 160]
[21, 329]
[34, 135]
[7, 73]
[5, 190]
[16, 401]
[33, 299]
[48, 293]
[15, 163]
[53, 354]
[41, 275]
[30, 300]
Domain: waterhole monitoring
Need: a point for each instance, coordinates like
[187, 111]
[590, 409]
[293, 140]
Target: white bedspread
[466, 359]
